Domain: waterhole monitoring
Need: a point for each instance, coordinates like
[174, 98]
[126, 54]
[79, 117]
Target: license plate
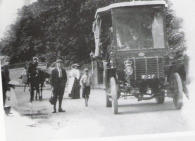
[149, 76]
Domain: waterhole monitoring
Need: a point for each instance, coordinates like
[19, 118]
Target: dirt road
[36, 122]
[93, 121]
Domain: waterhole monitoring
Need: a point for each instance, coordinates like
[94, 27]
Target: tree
[52, 28]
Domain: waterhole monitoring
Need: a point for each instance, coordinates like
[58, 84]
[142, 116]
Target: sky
[8, 13]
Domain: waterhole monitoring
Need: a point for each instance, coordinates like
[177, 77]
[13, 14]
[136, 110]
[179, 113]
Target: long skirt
[70, 85]
[75, 93]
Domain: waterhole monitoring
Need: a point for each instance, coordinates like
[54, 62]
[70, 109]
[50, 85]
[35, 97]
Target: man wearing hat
[31, 76]
[58, 83]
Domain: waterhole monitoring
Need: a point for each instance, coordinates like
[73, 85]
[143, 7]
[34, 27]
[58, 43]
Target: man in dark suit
[32, 76]
[5, 81]
[58, 83]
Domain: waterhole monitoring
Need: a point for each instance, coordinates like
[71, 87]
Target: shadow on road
[136, 108]
[37, 115]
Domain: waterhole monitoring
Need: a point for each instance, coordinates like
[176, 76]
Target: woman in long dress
[75, 74]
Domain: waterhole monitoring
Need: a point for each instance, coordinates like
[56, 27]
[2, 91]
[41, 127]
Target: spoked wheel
[160, 99]
[107, 87]
[177, 89]
[114, 93]
[108, 101]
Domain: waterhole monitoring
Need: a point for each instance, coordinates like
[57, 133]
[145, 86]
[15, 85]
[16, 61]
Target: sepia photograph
[85, 69]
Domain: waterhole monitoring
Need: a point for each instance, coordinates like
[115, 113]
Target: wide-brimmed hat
[59, 61]
[75, 65]
[35, 58]
[86, 69]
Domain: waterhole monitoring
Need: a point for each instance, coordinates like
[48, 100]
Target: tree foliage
[51, 28]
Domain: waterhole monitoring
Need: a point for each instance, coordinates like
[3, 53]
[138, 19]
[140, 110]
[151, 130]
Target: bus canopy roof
[129, 4]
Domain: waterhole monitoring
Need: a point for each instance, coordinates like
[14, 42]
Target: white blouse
[75, 73]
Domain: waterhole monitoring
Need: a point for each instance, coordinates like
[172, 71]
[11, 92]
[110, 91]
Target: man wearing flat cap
[58, 83]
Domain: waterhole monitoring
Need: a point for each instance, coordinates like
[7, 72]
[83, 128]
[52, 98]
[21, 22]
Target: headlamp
[128, 67]
[129, 70]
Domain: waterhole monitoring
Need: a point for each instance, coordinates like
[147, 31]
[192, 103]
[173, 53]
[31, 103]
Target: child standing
[85, 83]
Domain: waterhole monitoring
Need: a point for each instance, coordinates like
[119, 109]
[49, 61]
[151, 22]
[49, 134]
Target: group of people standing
[77, 83]
[58, 80]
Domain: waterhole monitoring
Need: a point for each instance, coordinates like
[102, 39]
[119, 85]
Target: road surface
[37, 122]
